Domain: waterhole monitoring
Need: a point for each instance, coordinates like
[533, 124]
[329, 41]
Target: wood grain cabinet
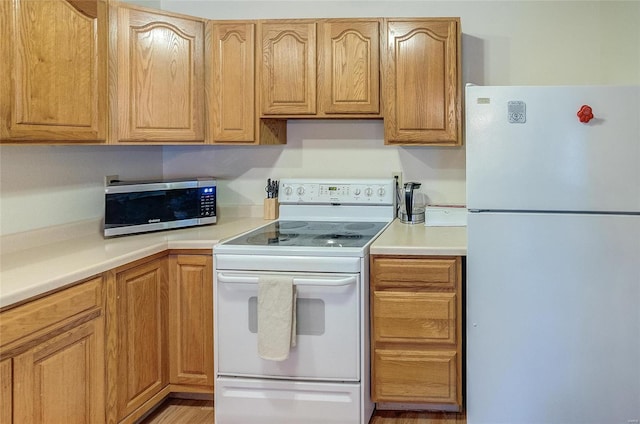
[158, 62]
[422, 82]
[54, 71]
[319, 68]
[230, 48]
[288, 67]
[6, 391]
[416, 315]
[52, 358]
[191, 322]
[349, 67]
[137, 347]
[230, 56]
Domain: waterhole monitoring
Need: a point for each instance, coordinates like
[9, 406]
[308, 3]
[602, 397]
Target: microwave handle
[250, 279]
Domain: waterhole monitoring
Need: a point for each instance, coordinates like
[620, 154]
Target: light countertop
[33, 271]
[29, 269]
[418, 239]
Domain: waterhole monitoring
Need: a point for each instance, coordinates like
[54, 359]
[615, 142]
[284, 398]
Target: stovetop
[316, 234]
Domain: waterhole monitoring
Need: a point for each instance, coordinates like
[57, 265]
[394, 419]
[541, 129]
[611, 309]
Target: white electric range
[322, 242]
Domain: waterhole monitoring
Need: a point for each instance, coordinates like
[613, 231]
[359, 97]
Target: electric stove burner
[290, 225]
[322, 226]
[337, 240]
[271, 238]
[359, 226]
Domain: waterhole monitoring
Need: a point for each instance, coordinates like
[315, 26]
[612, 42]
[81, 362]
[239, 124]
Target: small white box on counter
[445, 216]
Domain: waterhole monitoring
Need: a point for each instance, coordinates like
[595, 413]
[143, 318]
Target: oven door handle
[250, 279]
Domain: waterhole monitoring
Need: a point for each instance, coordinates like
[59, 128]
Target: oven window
[309, 316]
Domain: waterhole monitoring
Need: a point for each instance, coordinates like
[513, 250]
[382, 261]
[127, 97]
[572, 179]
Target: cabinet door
[349, 67]
[191, 320]
[6, 391]
[141, 314]
[422, 82]
[160, 76]
[62, 380]
[54, 70]
[232, 91]
[415, 376]
[288, 68]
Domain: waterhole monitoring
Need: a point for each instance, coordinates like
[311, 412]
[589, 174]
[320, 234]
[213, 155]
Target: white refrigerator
[553, 262]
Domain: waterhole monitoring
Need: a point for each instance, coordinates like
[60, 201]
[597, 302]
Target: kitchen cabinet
[191, 322]
[230, 51]
[6, 391]
[138, 347]
[416, 316]
[54, 71]
[288, 67]
[320, 68]
[52, 358]
[422, 82]
[157, 60]
[349, 67]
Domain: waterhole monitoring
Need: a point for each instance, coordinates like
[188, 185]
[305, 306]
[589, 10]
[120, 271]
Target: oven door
[327, 327]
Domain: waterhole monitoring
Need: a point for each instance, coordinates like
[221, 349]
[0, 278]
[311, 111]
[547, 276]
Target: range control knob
[300, 191]
[288, 190]
[381, 192]
[368, 192]
[357, 192]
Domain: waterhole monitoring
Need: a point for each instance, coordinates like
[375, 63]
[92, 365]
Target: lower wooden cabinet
[423, 376]
[191, 322]
[109, 349]
[139, 321]
[52, 358]
[416, 316]
[62, 380]
[6, 391]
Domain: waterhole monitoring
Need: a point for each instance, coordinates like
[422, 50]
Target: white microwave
[143, 206]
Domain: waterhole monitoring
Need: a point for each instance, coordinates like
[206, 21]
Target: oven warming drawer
[243, 401]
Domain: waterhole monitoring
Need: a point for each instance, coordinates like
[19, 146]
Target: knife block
[271, 206]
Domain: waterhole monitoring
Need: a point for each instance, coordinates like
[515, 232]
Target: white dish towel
[276, 317]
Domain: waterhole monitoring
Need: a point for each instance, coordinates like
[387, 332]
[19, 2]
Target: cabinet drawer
[42, 315]
[407, 272]
[414, 317]
[415, 376]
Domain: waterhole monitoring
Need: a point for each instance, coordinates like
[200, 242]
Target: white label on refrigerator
[517, 112]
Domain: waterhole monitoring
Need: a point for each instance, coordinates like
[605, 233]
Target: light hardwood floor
[181, 411]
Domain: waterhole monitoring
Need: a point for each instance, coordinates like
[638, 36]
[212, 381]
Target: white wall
[504, 42]
[42, 186]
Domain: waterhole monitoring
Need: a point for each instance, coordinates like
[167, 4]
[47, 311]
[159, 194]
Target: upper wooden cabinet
[322, 69]
[422, 82]
[349, 67]
[158, 63]
[288, 67]
[230, 49]
[54, 71]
